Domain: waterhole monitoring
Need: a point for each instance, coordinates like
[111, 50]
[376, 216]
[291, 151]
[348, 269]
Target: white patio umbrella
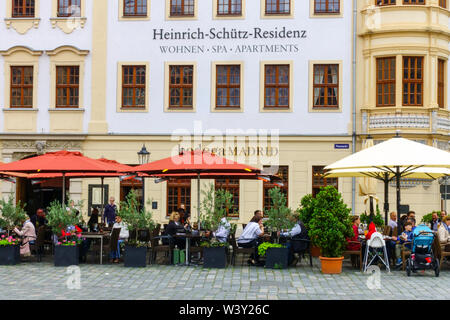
[395, 158]
[368, 185]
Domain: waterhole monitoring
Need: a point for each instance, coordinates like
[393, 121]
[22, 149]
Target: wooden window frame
[413, 81]
[382, 3]
[230, 6]
[235, 191]
[384, 81]
[277, 86]
[326, 86]
[179, 184]
[134, 86]
[67, 87]
[228, 86]
[135, 14]
[21, 86]
[181, 86]
[22, 9]
[268, 185]
[266, 12]
[327, 4]
[66, 15]
[173, 13]
[441, 82]
[443, 4]
[410, 2]
[326, 181]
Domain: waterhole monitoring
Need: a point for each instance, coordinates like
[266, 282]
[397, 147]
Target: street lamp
[144, 157]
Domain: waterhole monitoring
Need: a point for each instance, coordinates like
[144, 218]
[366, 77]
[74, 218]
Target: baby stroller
[422, 256]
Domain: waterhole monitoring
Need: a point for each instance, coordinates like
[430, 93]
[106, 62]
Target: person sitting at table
[406, 236]
[222, 232]
[28, 234]
[93, 220]
[124, 235]
[372, 230]
[251, 236]
[356, 221]
[174, 227]
[393, 220]
[297, 232]
[443, 232]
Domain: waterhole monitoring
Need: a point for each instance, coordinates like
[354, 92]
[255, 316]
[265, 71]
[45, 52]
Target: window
[67, 86]
[443, 3]
[413, 1]
[283, 173]
[326, 85]
[441, 83]
[229, 7]
[21, 87]
[276, 86]
[69, 8]
[385, 2]
[232, 186]
[23, 8]
[412, 81]
[135, 8]
[278, 6]
[228, 84]
[181, 86]
[318, 181]
[385, 82]
[182, 7]
[326, 6]
[178, 193]
[133, 86]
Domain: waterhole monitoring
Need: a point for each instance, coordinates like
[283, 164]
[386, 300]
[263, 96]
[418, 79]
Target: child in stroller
[422, 256]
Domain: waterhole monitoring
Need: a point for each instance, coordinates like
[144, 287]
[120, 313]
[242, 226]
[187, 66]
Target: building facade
[264, 82]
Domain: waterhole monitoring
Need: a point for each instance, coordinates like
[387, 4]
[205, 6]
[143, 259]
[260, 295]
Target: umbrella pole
[198, 200]
[103, 200]
[371, 208]
[397, 176]
[386, 197]
[63, 188]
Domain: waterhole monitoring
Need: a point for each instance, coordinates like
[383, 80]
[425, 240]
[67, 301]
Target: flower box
[66, 255]
[277, 258]
[9, 255]
[135, 257]
[214, 257]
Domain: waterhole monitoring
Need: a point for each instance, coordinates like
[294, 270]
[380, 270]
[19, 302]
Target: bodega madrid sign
[288, 40]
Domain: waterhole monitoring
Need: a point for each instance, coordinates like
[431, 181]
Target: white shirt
[392, 224]
[223, 230]
[124, 234]
[250, 233]
[293, 232]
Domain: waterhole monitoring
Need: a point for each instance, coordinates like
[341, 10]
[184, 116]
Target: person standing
[110, 212]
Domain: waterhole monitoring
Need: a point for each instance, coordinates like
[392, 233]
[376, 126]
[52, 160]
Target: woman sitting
[124, 235]
[356, 221]
[93, 221]
[250, 237]
[28, 234]
[174, 227]
[443, 232]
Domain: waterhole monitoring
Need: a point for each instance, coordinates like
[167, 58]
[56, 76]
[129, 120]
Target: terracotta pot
[315, 251]
[331, 265]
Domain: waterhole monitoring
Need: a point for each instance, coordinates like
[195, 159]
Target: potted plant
[306, 212]
[68, 245]
[330, 227]
[378, 219]
[135, 219]
[279, 219]
[213, 214]
[11, 216]
[428, 218]
[275, 254]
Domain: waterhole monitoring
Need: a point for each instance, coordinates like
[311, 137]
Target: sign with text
[342, 146]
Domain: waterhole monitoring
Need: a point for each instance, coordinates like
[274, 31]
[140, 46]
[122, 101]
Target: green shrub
[279, 216]
[59, 218]
[262, 248]
[428, 218]
[12, 215]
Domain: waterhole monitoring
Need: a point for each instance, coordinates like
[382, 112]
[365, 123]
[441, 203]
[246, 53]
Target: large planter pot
[135, 257]
[277, 258]
[66, 256]
[315, 251]
[331, 265]
[214, 257]
[9, 255]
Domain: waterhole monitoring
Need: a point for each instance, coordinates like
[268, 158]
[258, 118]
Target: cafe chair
[38, 246]
[441, 250]
[165, 248]
[237, 250]
[114, 239]
[376, 249]
[356, 256]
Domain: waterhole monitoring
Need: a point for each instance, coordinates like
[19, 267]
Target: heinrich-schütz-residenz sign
[222, 34]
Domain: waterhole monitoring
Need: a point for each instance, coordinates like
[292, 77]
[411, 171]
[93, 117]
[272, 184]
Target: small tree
[330, 225]
[214, 207]
[279, 215]
[133, 217]
[306, 209]
[59, 218]
[11, 214]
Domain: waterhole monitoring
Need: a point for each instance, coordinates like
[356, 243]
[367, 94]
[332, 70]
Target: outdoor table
[188, 237]
[96, 235]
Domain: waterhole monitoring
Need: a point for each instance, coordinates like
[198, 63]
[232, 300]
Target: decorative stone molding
[68, 25]
[22, 25]
[41, 146]
[399, 121]
[443, 124]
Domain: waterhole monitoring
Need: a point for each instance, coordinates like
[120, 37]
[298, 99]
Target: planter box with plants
[134, 219]
[9, 251]
[66, 254]
[276, 255]
[214, 254]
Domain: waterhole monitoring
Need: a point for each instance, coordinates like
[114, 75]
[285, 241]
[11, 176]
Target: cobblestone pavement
[44, 281]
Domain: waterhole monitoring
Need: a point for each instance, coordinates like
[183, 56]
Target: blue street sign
[342, 146]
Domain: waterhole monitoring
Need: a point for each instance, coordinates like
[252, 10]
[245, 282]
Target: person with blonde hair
[175, 227]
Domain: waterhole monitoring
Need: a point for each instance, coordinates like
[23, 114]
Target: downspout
[355, 16]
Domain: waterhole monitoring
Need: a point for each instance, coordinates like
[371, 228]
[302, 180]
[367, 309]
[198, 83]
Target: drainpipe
[355, 16]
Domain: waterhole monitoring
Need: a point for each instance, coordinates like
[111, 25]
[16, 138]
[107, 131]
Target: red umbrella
[60, 162]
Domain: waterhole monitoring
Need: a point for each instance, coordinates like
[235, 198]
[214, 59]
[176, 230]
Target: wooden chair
[406, 252]
[439, 250]
[355, 253]
[237, 250]
[38, 246]
[157, 247]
